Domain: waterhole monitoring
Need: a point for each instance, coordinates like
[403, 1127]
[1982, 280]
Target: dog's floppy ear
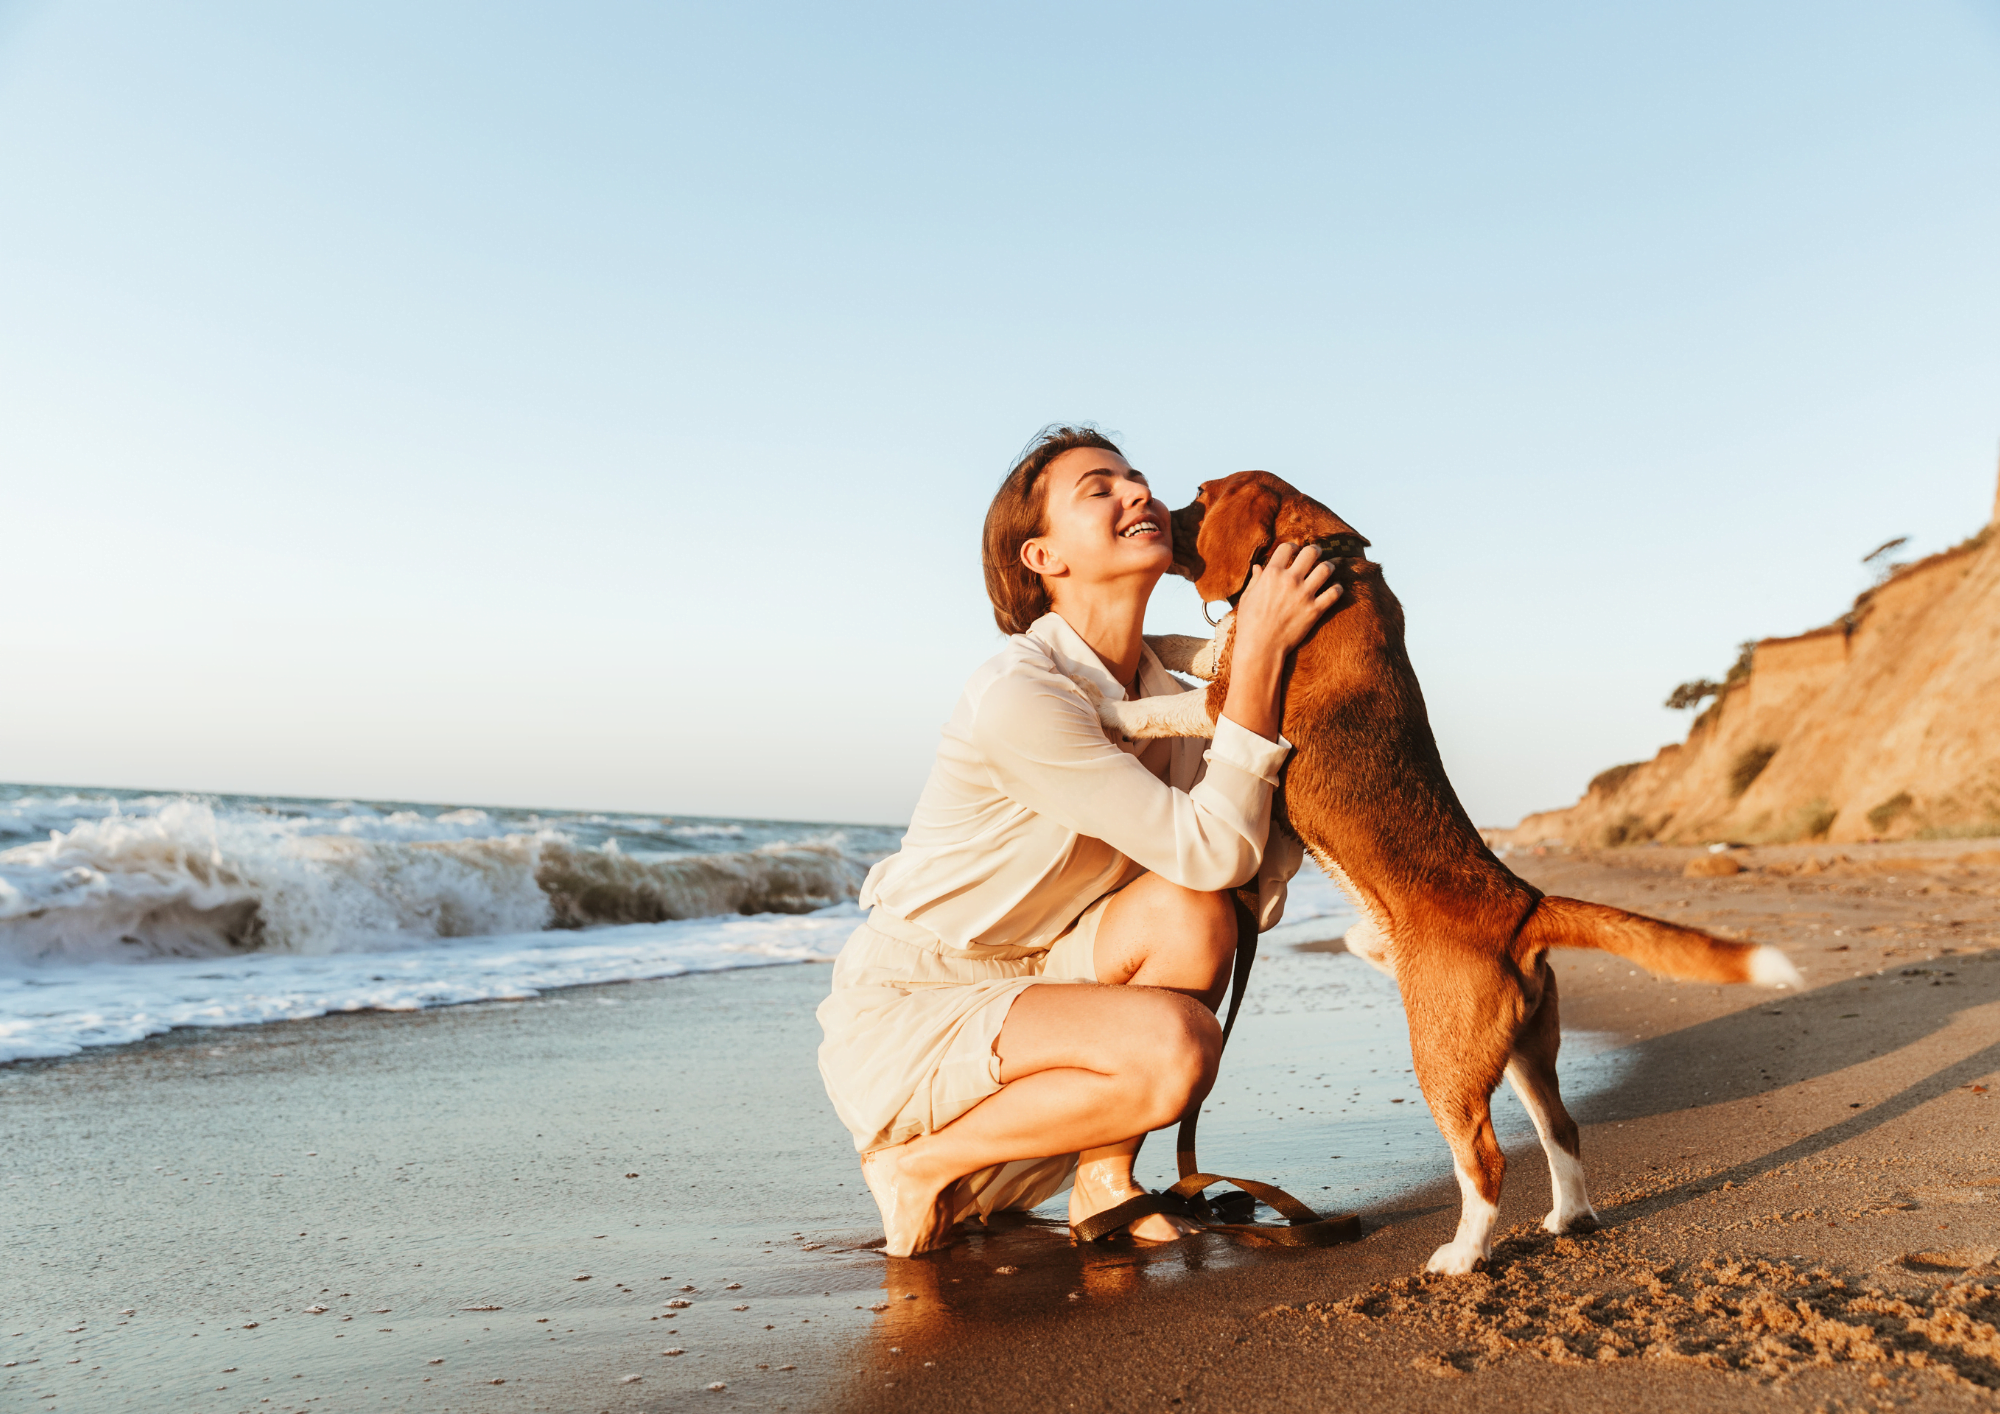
[1240, 515]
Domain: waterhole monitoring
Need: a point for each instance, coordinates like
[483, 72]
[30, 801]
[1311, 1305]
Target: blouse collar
[1077, 659]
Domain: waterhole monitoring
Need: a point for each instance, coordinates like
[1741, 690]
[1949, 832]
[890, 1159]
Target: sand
[1801, 1197]
[1835, 1148]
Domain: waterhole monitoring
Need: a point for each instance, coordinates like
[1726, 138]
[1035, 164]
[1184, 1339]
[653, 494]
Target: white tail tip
[1771, 968]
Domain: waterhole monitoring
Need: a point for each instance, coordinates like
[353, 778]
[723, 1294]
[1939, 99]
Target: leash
[1228, 1212]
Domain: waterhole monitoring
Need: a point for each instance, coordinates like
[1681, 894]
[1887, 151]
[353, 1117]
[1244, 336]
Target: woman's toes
[1159, 1227]
[1087, 1200]
[914, 1219]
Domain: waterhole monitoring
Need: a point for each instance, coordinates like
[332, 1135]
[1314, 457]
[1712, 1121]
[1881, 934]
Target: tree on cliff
[1693, 694]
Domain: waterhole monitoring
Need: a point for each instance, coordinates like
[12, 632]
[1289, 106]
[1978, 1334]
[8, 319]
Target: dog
[1366, 792]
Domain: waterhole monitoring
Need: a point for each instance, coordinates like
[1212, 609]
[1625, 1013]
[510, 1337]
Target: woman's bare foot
[911, 1196]
[1104, 1182]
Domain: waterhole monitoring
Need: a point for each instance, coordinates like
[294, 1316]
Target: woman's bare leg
[1153, 934]
[1082, 1065]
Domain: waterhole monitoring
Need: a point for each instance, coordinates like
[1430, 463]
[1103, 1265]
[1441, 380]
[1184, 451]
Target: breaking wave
[124, 914]
[185, 881]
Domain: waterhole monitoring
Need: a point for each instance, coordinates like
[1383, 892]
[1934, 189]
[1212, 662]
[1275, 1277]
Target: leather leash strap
[1184, 1200]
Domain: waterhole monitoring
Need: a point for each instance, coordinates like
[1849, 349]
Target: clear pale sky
[594, 405]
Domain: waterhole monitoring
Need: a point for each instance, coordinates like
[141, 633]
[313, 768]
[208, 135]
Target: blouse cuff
[1244, 749]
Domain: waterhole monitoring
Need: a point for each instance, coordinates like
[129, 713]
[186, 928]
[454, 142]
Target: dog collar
[1344, 546]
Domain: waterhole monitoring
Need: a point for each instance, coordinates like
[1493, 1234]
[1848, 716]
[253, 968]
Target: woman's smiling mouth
[1144, 527]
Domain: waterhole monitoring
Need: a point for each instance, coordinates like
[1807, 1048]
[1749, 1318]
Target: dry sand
[1801, 1196]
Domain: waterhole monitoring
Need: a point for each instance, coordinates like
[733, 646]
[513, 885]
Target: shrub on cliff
[1609, 781]
[1884, 815]
[1750, 764]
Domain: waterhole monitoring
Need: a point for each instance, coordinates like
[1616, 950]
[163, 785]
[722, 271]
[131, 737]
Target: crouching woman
[1042, 852]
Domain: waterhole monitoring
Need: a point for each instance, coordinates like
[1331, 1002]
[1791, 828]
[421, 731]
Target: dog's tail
[1663, 949]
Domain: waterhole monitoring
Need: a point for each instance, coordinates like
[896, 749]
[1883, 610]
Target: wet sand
[401, 1169]
[408, 1171]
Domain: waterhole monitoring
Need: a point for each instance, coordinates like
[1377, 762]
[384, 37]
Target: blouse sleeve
[1047, 750]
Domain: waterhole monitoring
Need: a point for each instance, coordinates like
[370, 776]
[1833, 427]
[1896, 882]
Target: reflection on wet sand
[1020, 1266]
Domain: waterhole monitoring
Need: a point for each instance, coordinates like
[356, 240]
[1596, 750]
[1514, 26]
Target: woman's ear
[1040, 559]
[1236, 527]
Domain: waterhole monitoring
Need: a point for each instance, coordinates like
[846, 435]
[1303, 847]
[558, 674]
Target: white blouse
[1032, 812]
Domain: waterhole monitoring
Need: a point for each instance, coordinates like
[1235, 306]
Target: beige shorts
[909, 1034]
[1072, 957]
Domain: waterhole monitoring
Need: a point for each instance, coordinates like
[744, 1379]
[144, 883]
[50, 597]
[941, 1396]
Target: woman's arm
[1279, 607]
[1046, 750]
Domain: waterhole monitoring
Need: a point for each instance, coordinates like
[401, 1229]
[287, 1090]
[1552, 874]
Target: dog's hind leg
[1531, 1070]
[1460, 1056]
[1477, 1161]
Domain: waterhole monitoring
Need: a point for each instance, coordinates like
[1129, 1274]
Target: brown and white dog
[1365, 790]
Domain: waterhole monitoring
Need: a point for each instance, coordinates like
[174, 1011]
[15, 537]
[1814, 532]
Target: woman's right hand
[1286, 597]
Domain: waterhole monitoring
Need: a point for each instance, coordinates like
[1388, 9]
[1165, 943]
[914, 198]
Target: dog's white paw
[1107, 710]
[1582, 1219]
[1771, 968]
[1456, 1259]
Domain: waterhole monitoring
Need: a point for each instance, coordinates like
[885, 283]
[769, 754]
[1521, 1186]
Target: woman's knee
[1208, 927]
[1177, 1058]
[1165, 935]
[1216, 914]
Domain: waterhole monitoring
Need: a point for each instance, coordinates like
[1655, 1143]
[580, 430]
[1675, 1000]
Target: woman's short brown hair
[1018, 514]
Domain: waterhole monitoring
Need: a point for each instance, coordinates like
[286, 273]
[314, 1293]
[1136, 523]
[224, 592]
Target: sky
[595, 406]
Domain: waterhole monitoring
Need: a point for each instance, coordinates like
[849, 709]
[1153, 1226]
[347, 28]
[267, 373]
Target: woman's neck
[1111, 623]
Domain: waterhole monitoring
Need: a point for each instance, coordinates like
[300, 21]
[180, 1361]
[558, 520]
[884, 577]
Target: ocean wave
[586, 886]
[185, 881]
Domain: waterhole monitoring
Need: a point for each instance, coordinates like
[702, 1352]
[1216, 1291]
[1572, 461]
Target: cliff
[1885, 724]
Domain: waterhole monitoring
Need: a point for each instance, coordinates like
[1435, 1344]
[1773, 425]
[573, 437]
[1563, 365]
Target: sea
[127, 913]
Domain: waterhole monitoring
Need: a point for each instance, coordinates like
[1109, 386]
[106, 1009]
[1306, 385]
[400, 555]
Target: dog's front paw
[1089, 691]
[1456, 1259]
[1107, 710]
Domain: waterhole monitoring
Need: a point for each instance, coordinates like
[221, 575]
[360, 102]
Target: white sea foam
[187, 881]
[132, 913]
[61, 1009]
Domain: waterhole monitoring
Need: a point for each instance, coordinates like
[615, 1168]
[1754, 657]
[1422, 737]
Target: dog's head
[1234, 522]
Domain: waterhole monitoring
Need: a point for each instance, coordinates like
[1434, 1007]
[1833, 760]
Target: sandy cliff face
[1884, 724]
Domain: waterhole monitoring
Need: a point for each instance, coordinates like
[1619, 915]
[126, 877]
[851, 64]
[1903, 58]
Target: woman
[1043, 852]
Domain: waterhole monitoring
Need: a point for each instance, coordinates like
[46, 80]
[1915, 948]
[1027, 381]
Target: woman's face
[1103, 523]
